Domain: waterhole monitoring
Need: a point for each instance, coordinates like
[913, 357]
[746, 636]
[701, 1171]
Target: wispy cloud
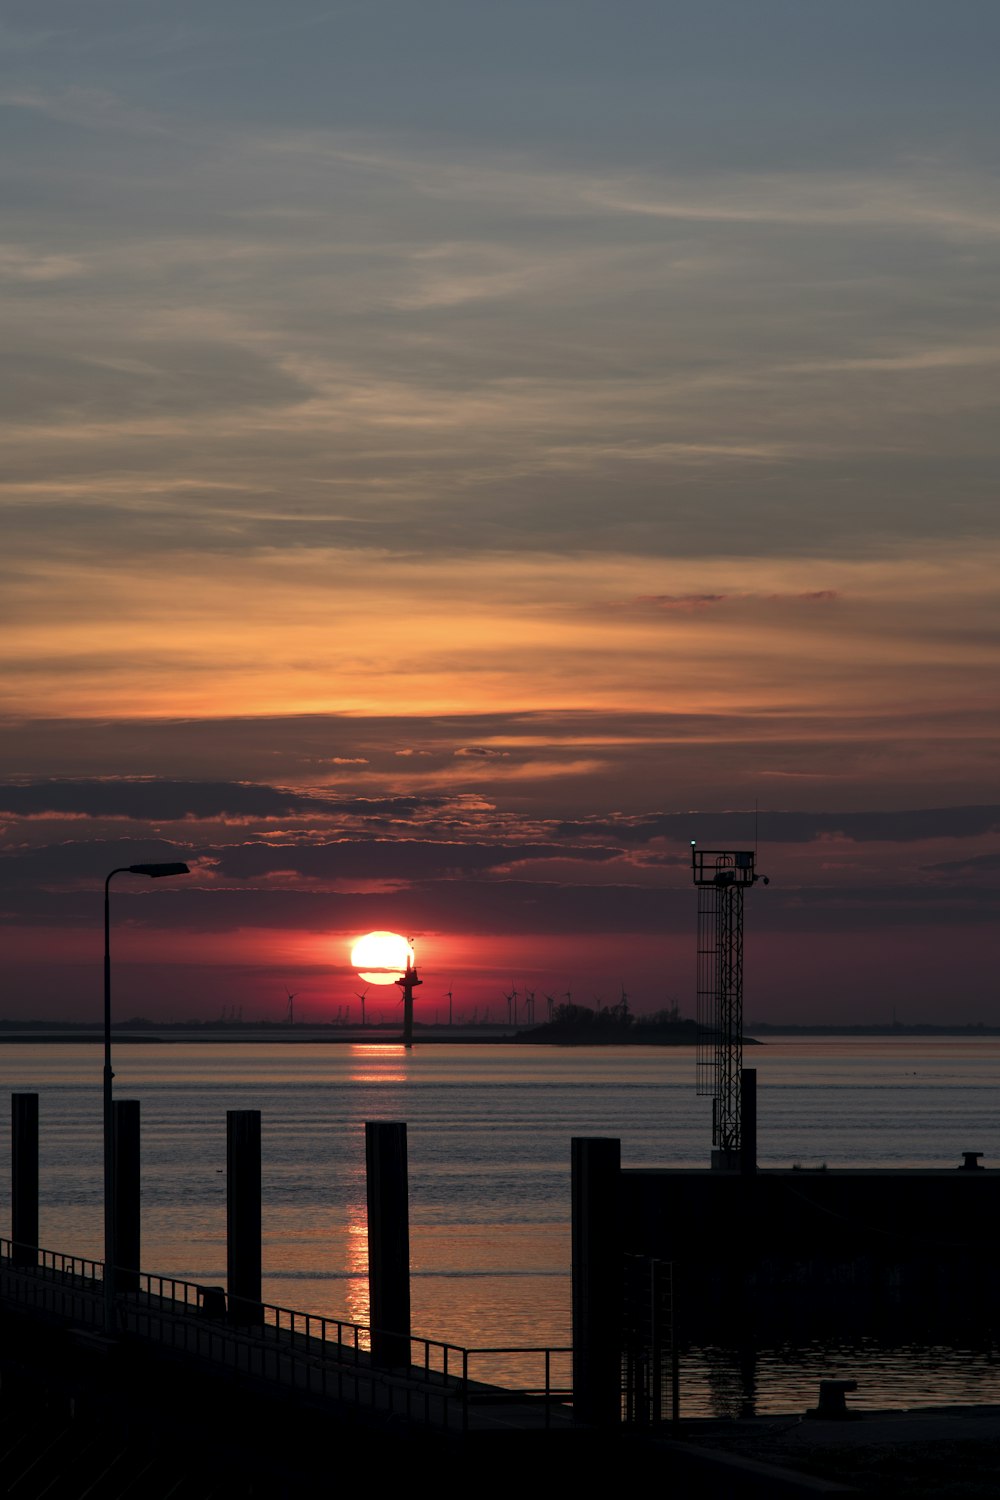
[425, 468]
[665, 603]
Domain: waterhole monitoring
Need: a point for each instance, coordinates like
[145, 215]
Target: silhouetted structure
[597, 1280]
[156, 871]
[748, 1121]
[388, 1241]
[408, 983]
[822, 1249]
[24, 1177]
[243, 1225]
[721, 876]
[125, 1166]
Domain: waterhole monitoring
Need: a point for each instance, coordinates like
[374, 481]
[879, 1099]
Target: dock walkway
[321, 1361]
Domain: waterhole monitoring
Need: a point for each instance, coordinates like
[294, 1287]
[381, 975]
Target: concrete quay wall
[935, 1233]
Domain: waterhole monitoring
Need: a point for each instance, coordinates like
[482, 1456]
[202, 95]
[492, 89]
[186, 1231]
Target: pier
[205, 1399]
[323, 1360]
[138, 1383]
[181, 1388]
[791, 1246]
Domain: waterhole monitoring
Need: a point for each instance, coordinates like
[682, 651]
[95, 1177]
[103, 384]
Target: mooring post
[748, 1122]
[24, 1178]
[597, 1281]
[125, 1194]
[388, 1242]
[243, 1225]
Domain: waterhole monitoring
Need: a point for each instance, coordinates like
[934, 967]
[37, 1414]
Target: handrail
[300, 1349]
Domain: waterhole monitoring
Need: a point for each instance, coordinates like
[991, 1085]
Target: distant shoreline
[969, 1028]
[308, 1036]
[147, 1033]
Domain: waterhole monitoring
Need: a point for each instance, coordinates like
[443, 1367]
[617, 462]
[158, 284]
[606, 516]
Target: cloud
[21, 263]
[910, 199]
[980, 864]
[487, 907]
[685, 602]
[82, 862]
[267, 632]
[340, 314]
[160, 801]
[737, 829]
[680, 601]
[333, 382]
[400, 859]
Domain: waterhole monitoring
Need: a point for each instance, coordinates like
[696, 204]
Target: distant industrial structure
[721, 875]
[408, 982]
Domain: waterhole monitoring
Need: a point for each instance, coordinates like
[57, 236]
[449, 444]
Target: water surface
[489, 1131]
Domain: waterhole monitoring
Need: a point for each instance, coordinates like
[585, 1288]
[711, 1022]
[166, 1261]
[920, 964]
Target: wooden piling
[24, 1178]
[125, 1195]
[748, 1122]
[243, 1219]
[388, 1242]
[597, 1281]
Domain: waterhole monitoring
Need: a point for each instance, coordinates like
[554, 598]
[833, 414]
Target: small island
[612, 1026]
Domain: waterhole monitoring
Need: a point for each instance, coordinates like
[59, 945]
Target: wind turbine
[449, 997]
[290, 1016]
[361, 996]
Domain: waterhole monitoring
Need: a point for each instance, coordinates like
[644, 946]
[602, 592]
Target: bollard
[24, 1178]
[748, 1121]
[212, 1302]
[597, 1281]
[831, 1406]
[388, 1242]
[243, 1227]
[125, 1195]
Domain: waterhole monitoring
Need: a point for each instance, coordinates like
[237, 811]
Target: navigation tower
[721, 875]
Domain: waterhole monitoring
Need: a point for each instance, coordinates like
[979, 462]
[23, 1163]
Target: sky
[455, 454]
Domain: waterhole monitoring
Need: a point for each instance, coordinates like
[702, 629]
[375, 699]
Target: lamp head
[156, 872]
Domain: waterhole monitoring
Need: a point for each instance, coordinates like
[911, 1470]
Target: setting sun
[381, 957]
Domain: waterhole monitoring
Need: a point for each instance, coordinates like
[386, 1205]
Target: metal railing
[66, 1286]
[442, 1385]
[650, 1373]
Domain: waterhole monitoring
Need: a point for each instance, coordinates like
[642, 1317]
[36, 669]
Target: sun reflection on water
[378, 1063]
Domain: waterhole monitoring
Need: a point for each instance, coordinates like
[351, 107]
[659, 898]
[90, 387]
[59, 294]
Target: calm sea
[489, 1142]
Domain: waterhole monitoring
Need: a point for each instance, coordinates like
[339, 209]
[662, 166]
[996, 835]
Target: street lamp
[156, 872]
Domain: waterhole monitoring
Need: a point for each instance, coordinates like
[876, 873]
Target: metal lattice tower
[721, 875]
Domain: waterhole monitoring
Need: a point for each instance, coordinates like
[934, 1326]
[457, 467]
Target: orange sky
[427, 511]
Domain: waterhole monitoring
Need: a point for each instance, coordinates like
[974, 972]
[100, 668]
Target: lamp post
[156, 872]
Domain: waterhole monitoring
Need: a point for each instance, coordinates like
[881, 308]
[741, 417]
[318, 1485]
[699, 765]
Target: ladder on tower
[721, 875]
